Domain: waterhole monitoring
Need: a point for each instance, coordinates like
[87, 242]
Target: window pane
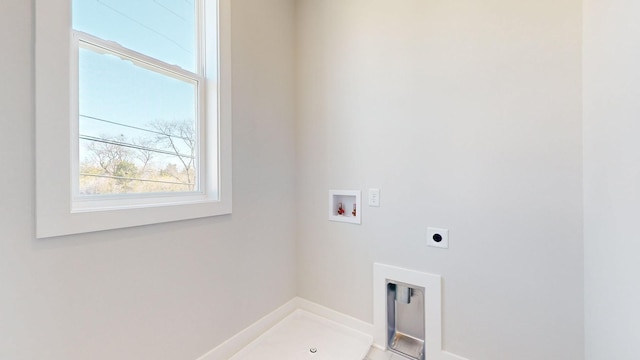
[163, 29]
[137, 127]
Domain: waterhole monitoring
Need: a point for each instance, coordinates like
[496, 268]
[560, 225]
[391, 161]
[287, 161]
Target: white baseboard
[450, 356]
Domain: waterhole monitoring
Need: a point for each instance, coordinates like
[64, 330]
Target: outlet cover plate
[374, 197]
[437, 237]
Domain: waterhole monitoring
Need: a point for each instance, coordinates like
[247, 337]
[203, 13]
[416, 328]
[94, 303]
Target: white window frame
[59, 210]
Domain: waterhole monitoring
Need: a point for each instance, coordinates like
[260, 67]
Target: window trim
[54, 57]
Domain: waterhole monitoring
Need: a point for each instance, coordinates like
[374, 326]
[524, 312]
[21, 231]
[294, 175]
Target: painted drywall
[170, 291]
[611, 178]
[467, 116]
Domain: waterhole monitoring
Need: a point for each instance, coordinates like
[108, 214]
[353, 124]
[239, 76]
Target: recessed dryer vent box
[344, 205]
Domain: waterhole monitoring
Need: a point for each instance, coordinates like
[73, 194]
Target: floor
[303, 335]
[377, 354]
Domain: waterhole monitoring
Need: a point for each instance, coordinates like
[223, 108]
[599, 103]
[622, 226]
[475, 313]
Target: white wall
[612, 178]
[171, 291]
[467, 115]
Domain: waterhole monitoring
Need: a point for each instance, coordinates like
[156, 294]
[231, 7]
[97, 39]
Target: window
[139, 116]
[132, 113]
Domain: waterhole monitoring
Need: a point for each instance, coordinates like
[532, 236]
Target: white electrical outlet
[438, 238]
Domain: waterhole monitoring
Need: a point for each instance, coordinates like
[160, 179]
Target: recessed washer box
[344, 206]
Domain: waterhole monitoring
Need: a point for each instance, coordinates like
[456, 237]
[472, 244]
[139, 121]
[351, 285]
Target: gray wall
[171, 291]
[612, 178]
[467, 116]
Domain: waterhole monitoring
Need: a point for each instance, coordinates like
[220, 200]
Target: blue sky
[117, 90]
[164, 29]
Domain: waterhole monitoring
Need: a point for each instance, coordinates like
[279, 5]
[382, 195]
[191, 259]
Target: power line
[136, 179]
[134, 127]
[143, 25]
[134, 146]
[171, 11]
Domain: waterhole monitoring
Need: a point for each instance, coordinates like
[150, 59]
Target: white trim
[142, 60]
[222, 149]
[445, 355]
[432, 285]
